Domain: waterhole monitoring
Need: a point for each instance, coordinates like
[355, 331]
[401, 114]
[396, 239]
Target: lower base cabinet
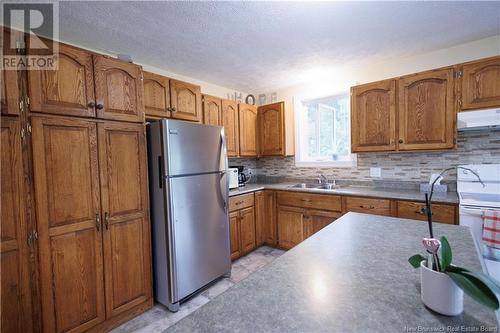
[440, 213]
[266, 229]
[242, 225]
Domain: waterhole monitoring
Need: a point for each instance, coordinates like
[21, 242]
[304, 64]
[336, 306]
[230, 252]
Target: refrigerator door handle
[223, 172]
[160, 171]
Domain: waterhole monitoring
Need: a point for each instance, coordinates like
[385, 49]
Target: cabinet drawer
[241, 201]
[368, 205]
[413, 210]
[308, 200]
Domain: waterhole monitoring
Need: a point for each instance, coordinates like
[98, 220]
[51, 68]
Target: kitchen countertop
[352, 276]
[356, 190]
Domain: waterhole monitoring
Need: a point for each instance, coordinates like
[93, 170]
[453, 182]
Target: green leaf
[446, 256]
[493, 284]
[475, 288]
[416, 259]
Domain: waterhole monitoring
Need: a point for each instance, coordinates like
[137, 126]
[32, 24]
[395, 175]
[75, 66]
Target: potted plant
[443, 284]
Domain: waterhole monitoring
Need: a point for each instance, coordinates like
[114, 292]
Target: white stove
[475, 199]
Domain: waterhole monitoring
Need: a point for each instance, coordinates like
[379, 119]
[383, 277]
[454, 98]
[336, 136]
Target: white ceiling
[259, 46]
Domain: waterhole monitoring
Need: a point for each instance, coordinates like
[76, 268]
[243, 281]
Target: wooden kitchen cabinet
[118, 89]
[248, 129]
[310, 200]
[266, 229]
[16, 311]
[290, 226]
[440, 213]
[481, 84]
[185, 99]
[68, 208]
[231, 127]
[317, 220]
[9, 101]
[212, 110]
[242, 225]
[156, 95]
[126, 231]
[92, 220]
[426, 110]
[367, 205]
[275, 130]
[69, 90]
[373, 116]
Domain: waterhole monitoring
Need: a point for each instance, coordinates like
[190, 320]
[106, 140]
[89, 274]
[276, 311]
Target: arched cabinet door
[156, 95]
[231, 130]
[373, 116]
[69, 90]
[119, 90]
[481, 84]
[212, 110]
[248, 129]
[185, 100]
[426, 111]
[271, 129]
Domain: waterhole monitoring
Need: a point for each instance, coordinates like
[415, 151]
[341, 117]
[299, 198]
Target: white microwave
[233, 177]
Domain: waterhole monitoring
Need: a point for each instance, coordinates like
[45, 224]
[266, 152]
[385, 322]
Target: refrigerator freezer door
[193, 148]
[200, 231]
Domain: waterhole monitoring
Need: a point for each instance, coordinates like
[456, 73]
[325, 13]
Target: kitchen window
[323, 132]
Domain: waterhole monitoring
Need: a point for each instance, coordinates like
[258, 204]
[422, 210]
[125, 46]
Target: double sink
[322, 186]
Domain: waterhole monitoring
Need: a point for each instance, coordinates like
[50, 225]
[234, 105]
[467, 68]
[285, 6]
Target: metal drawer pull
[97, 221]
[306, 200]
[367, 207]
[239, 203]
[106, 220]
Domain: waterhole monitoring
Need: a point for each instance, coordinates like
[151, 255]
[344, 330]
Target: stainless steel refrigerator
[188, 197]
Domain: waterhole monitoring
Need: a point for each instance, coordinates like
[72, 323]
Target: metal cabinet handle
[91, 104]
[367, 207]
[306, 200]
[400, 141]
[99, 106]
[172, 109]
[97, 221]
[106, 220]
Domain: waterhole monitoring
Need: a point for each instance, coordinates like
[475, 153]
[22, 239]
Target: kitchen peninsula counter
[352, 276]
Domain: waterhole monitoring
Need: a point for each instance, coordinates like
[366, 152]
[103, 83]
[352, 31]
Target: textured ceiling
[258, 46]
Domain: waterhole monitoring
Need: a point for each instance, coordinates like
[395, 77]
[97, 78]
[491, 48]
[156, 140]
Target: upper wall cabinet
[481, 84]
[248, 129]
[212, 110]
[156, 95]
[426, 110]
[119, 90]
[69, 90]
[185, 101]
[275, 130]
[9, 101]
[373, 116]
[231, 127]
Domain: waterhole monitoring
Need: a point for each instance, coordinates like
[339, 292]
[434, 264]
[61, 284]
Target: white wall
[331, 82]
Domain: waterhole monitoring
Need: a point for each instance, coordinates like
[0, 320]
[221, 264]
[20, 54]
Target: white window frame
[298, 102]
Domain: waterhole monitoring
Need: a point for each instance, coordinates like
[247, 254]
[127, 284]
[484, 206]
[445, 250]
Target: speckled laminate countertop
[365, 191]
[352, 276]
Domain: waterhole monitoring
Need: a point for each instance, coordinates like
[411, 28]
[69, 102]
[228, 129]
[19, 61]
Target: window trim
[298, 102]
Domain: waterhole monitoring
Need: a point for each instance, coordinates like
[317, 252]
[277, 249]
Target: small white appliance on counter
[478, 120]
[475, 200]
[233, 177]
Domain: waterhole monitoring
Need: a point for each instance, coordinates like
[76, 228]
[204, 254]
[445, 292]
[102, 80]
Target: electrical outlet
[375, 172]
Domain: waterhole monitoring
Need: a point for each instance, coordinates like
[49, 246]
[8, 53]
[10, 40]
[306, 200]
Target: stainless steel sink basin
[304, 185]
[327, 186]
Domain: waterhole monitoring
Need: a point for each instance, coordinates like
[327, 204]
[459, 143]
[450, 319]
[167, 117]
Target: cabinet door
[481, 84]
[156, 95]
[290, 226]
[234, 234]
[68, 209]
[317, 220]
[247, 229]
[69, 90]
[248, 129]
[260, 218]
[127, 257]
[266, 211]
[185, 100]
[271, 129]
[9, 101]
[15, 296]
[231, 127]
[212, 110]
[119, 90]
[373, 116]
[426, 111]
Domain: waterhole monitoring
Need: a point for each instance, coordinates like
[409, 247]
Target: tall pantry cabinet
[89, 180]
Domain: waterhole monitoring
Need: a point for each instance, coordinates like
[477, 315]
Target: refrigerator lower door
[200, 231]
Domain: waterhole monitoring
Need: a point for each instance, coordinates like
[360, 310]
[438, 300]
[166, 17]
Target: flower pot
[439, 292]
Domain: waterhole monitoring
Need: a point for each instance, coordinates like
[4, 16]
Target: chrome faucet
[322, 179]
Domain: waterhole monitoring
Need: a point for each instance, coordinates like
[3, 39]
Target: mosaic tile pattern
[159, 318]
[473, 147]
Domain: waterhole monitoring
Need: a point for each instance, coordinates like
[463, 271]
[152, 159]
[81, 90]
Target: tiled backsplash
[473, 148]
